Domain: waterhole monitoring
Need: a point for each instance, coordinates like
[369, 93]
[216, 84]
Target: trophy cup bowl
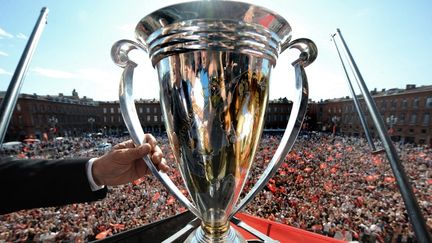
[214, 60]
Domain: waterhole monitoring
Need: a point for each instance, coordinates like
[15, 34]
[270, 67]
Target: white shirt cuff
[93, 185]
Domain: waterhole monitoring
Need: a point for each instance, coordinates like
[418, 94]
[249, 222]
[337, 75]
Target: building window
[148, 110]
[148, 118]
[413, 119]
[118, 110]
[393, 104]
[383, 104]
[162, 118]
[155, 118]
[105, 119]
[155, 110]
[112, 119]
[112, 110]
[416, 103]
[429, 102]
[140, 110]
[426, 119]
[104, 110]
[402, 118]
[18, 107]
[404, 104]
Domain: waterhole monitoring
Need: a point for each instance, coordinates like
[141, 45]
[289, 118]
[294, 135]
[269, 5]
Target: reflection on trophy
[214, 60]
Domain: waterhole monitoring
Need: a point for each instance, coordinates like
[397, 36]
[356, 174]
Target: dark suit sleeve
[28, 184]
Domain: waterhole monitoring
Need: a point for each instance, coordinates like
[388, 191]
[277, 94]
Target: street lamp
[391, 121]
[53, 122]
[335, 120]
[91, 120]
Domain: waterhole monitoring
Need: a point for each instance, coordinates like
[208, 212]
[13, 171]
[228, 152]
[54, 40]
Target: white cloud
[98, 76]
[52, 73]
[4, 34]
[95, 75]
[2, 71]
[2, 53]
[22, 36]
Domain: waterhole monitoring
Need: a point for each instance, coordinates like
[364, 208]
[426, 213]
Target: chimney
[410, 86]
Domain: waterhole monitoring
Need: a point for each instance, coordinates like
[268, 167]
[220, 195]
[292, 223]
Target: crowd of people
[327, 184]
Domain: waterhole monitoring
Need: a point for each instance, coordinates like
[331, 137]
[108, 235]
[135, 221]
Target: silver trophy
[214, 60]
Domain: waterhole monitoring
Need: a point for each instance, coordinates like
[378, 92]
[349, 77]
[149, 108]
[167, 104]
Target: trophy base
[198, 236]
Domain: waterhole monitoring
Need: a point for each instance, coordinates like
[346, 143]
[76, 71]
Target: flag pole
[10, 99]
[356, 102]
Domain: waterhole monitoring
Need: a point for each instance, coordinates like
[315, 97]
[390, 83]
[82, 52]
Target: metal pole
[12, 93]
[402, 180]
[356, 102]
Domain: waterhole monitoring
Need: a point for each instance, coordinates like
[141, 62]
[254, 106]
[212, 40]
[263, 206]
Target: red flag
[370, 188]
[376, 160]
[328, 186]
[271, 187]
[156, 196]
[333, 170]
[323, 166]
[314, 198]
[138, 181]
[170, 200]
[308, 169]
[299, 179]
[103, 234]
[359, 201]
[117, 226]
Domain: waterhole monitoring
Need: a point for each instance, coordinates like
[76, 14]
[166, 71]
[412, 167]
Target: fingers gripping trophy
[214, 60]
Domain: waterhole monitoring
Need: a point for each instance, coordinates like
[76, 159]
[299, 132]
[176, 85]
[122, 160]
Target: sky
[389, 39]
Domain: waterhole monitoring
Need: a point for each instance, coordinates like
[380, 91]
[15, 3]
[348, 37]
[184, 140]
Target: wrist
[93, 178]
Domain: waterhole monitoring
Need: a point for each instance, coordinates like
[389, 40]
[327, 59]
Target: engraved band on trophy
[214, 60]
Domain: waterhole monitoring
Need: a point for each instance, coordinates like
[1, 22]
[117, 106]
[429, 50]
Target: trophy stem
[222, 234]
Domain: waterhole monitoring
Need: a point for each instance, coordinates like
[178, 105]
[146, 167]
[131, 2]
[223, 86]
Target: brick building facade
[47, 116]
[405, 112]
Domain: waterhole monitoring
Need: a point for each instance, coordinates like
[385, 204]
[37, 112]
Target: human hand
[124, 163]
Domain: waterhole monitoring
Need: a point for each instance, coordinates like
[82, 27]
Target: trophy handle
[119, 54]
[308, 54]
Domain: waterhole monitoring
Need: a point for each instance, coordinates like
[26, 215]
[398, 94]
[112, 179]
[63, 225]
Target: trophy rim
[231, 11]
